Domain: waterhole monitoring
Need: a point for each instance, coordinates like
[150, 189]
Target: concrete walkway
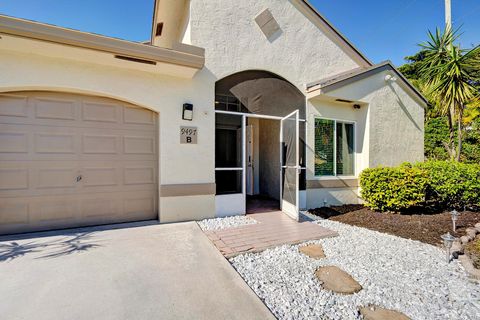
[273, 229]
[140, 272]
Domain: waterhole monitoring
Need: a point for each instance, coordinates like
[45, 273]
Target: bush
[441, 184]
[393, 189]
[452, 184]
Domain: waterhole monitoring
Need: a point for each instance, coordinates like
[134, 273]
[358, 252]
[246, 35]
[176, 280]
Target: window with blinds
[334, 148]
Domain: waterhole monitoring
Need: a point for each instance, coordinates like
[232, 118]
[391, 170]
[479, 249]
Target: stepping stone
[337, 280]
[377, 313]
[314, 251]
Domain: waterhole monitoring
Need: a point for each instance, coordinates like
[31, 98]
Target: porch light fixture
[187, 113]
[448, 242]
[455, 215]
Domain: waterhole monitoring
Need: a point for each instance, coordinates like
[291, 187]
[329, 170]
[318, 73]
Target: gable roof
[346, 78]
[332, 32]
[311, 13]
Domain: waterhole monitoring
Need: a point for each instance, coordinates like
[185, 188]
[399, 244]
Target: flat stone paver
[139, 271]
[314, 251]
[337, 280]
[273, 229]
[377, 313]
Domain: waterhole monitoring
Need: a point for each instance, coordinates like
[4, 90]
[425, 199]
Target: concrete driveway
[135, 272]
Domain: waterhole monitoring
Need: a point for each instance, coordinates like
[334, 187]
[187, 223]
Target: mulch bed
[417, 226]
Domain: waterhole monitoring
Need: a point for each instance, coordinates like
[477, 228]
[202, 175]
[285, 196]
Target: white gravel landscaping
[395, 273]
[224, 223]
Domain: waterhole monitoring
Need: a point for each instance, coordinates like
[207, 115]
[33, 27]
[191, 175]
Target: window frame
[335, 175]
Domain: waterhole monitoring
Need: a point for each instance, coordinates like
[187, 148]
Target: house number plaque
[188, 135]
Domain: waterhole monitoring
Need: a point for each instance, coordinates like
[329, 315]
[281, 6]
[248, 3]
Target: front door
[289, 164]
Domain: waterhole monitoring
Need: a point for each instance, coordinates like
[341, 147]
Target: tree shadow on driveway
[74, 243]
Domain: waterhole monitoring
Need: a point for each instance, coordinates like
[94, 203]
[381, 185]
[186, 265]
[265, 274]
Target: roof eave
[185, 55]
[324, 86]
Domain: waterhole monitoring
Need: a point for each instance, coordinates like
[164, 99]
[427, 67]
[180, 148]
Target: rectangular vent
[135, 60]
[343, 100]
[267, 23]
[158, 31]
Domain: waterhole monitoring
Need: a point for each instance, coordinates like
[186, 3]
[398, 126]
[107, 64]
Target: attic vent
[267, 23]
[135, 60]
[343, 100]
[159, 29]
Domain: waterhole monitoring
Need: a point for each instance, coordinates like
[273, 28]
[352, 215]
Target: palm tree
[447, 73]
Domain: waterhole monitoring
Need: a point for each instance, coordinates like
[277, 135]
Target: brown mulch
[417, 226]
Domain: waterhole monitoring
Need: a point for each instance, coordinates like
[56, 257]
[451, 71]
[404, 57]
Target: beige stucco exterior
[388, 126]
[178, 164]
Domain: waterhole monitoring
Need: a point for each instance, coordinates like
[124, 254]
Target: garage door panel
[100, 176]
[139, 207]
[100, 112]
[135, 175]
[54, 143]
[101, 208]
[56, 177]
[70, 160]
[54, 109]
[139, 145]
[100, 144]
[54, 208]
[13, 142]
[13, 179]
[14, 213]
[134, 115]
[13, 106]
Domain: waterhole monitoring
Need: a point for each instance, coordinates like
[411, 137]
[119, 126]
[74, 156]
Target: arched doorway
[259, 147]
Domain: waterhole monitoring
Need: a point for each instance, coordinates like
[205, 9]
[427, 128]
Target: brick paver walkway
[273, 229]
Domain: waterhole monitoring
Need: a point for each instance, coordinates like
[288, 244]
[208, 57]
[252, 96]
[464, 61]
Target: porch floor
[274, 229]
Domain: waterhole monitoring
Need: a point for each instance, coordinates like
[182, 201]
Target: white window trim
[335, 176]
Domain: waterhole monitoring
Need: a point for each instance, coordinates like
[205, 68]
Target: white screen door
[250, 161]
[289, 164]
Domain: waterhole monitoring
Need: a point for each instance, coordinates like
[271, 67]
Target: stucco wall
[179, 164]
[318, 197]
[233, 42]
[396, 119]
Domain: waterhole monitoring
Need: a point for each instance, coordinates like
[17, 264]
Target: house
[231, 106]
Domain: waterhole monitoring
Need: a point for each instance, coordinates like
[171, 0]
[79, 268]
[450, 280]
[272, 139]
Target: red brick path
[273, 229]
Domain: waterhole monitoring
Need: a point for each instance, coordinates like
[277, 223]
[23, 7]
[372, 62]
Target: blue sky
[381, 29]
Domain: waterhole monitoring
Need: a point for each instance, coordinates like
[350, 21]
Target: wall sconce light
[356, 106]
[187, 113]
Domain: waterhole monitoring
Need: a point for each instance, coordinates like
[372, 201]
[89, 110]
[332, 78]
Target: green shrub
[393, 189]
[452, 184]
[441, 184]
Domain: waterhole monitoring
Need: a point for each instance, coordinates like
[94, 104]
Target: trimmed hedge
[443, 184]
[393, 189]
[452, 184]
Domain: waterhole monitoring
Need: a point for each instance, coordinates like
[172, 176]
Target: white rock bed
[395, 273]
[224, 223]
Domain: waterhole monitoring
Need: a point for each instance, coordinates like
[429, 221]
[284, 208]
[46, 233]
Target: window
[229, 103]
[334, 148]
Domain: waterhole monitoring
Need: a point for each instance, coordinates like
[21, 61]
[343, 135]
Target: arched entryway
[69, 160]
[253, 136]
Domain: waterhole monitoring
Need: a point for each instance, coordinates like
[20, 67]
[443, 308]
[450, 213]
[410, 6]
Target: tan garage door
[71, 160]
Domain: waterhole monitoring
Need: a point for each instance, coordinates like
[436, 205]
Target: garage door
[71, 160]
